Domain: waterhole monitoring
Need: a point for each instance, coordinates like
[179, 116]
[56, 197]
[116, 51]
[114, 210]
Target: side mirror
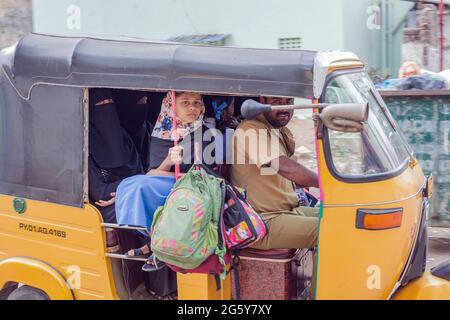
[346, 117]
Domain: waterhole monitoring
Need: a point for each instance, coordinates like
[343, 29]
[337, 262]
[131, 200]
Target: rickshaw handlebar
[298, 106]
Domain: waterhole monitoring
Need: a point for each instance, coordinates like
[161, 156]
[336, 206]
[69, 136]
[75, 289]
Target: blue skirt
[138, 197]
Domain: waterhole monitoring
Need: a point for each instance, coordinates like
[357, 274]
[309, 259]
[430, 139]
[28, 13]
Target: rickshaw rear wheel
[28, 293]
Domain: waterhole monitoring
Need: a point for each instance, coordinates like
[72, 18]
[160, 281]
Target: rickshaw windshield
[377, 150]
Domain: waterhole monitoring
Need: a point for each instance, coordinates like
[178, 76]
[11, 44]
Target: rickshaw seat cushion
[281, 254]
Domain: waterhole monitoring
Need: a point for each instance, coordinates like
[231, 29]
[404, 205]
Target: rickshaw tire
[6, 291]
[28, 293]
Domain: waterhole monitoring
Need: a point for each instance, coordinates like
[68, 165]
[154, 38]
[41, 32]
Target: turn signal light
[379, 219]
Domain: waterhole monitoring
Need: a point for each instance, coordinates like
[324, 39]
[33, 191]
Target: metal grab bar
[116, 226]
[124, 257]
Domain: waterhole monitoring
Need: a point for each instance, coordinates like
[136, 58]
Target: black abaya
[112, 154]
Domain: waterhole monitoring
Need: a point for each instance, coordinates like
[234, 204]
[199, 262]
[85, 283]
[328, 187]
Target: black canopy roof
[137, 64]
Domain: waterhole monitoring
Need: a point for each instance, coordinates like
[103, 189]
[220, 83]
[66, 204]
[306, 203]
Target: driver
[271, 178]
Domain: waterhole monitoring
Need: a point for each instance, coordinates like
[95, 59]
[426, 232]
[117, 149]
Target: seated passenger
[271, 178]
[223, 109]
[138, 197]
[134, 108]
[112, 154]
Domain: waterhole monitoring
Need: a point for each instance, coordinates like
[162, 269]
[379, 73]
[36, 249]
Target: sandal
[153, 264]
[139, 252]
[170, 296]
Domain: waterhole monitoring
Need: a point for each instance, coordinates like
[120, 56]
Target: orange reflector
[373, 219]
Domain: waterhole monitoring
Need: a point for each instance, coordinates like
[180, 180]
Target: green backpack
[185, 231]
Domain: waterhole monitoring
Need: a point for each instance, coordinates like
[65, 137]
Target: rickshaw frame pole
[174, 130]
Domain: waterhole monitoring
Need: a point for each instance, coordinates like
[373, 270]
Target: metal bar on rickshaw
[116, 226]
[124, 257]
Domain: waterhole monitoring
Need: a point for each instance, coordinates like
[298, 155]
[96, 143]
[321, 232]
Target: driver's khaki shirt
[269, 194]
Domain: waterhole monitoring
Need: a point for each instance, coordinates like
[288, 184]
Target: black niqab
[110, 146]
[134, 111]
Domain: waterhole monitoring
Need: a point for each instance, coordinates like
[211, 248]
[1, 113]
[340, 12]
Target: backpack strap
[237, 284]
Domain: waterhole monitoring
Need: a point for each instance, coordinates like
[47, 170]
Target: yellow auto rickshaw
[373, 193]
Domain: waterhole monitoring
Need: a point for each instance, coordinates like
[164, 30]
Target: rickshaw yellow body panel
[427, 287]
[36, 274]
[195, 286]
[355, 263]
[70, 241]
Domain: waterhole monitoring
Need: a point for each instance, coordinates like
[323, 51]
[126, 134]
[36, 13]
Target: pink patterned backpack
[243, 225]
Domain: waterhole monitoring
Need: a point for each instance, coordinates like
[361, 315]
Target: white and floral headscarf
[163, 125]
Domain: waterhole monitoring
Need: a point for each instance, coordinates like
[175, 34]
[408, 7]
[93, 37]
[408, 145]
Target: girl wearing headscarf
[112, 154]
[138, 197]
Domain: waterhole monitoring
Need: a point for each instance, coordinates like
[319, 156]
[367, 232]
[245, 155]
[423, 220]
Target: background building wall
[251, 23]
[421, 39]
[361, 30]
[15, 20]
[350, 25]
